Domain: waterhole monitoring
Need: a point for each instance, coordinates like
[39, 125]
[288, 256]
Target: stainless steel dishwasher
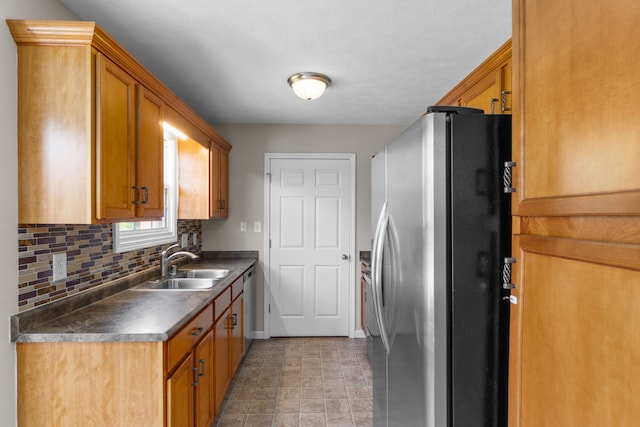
[249, 279]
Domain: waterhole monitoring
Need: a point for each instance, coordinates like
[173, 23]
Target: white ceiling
[230, 59]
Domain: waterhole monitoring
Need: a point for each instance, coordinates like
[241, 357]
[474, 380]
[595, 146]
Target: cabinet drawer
[182, 342]
[221, 303]
[237, 288]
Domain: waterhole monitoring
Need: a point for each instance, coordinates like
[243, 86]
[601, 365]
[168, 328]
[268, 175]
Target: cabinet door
[222, 375]
[492, 93]
[193, 169]
[237, 333]
[204, 390]
[180, 395]
[224, 184]
[149, 155]
[219, 190]
[214, 176]
[115, 148]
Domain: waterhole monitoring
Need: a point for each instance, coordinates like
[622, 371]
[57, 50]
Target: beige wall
[12, 9]
[246, 181]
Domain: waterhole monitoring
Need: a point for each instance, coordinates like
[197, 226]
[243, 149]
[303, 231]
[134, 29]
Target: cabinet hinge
[269, 308]
[506, 273]
[506, 177]
[269, 243]
[269, 175]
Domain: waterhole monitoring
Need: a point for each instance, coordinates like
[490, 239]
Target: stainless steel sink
[179, 284]
[210, 273]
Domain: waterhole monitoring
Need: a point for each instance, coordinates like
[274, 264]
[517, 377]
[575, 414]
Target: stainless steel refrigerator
[437, 317]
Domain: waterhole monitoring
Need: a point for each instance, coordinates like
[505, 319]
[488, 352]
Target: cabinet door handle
[201, 362]
[234, 322]
[197, 331]
[504, 100]
[136, 200]
[223, 204]
[195, 377]
[145, 201]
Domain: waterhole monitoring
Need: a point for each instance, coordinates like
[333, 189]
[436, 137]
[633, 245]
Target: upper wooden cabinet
[193, 180]
[488, 87]
[129, 146]
[219, 196]
[89, 127]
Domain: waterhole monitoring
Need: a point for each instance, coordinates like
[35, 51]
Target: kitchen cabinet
[229, 337]
[222, 359]
[193, 182]
[574, 336]
[237, 333]
[488, 87]
[204, 391]
[219, 175]
[190, 386]
[180, 395]
[129, 146]
[86, 103]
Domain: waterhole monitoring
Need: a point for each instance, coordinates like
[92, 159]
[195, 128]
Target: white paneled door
[309, 255]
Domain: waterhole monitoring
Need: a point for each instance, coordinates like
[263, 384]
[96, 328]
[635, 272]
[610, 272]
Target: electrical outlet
[185, 240]
[243, 225]
[257, 226]
[59, 266]
[195, 239]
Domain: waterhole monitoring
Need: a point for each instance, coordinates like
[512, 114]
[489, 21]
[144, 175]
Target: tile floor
[301, 382]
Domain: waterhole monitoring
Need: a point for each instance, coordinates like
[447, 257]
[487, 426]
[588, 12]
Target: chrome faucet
[165, 259]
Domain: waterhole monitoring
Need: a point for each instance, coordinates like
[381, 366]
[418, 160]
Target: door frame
[354, 266]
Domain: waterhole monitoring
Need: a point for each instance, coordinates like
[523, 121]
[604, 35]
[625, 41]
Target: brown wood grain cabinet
[180, 395]
[129, 146]
[229, 338]
[84, 102]
[237, 333]
[179, 382]
[222, 359]
[574, 335]
[219, 175]
[488, 87]
[203, 180]
[193, 179]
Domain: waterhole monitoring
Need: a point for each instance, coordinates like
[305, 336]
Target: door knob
[345, 256]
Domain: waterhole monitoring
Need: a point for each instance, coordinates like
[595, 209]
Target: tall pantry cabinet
[575, 330]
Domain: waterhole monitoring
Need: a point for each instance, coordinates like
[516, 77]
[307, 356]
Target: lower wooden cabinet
[180, 395]
[221, 351]
[181, 382]
[237, 333]
[229, 338]
[204, 364]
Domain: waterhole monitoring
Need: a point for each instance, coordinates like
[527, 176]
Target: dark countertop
[132, 314]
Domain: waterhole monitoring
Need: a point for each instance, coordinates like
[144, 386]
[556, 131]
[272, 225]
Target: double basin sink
[189, 280]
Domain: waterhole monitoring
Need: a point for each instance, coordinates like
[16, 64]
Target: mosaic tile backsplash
[90, 259]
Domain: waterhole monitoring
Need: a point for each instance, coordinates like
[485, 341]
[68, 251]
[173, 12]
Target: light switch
[257, 226]
[185, 240]
[243, 225]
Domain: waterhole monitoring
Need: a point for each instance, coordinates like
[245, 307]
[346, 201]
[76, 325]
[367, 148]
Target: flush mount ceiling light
[309, 85]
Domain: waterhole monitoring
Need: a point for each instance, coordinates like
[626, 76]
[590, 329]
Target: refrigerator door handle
[376, 273]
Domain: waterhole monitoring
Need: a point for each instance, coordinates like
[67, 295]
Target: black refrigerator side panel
[480, 239]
